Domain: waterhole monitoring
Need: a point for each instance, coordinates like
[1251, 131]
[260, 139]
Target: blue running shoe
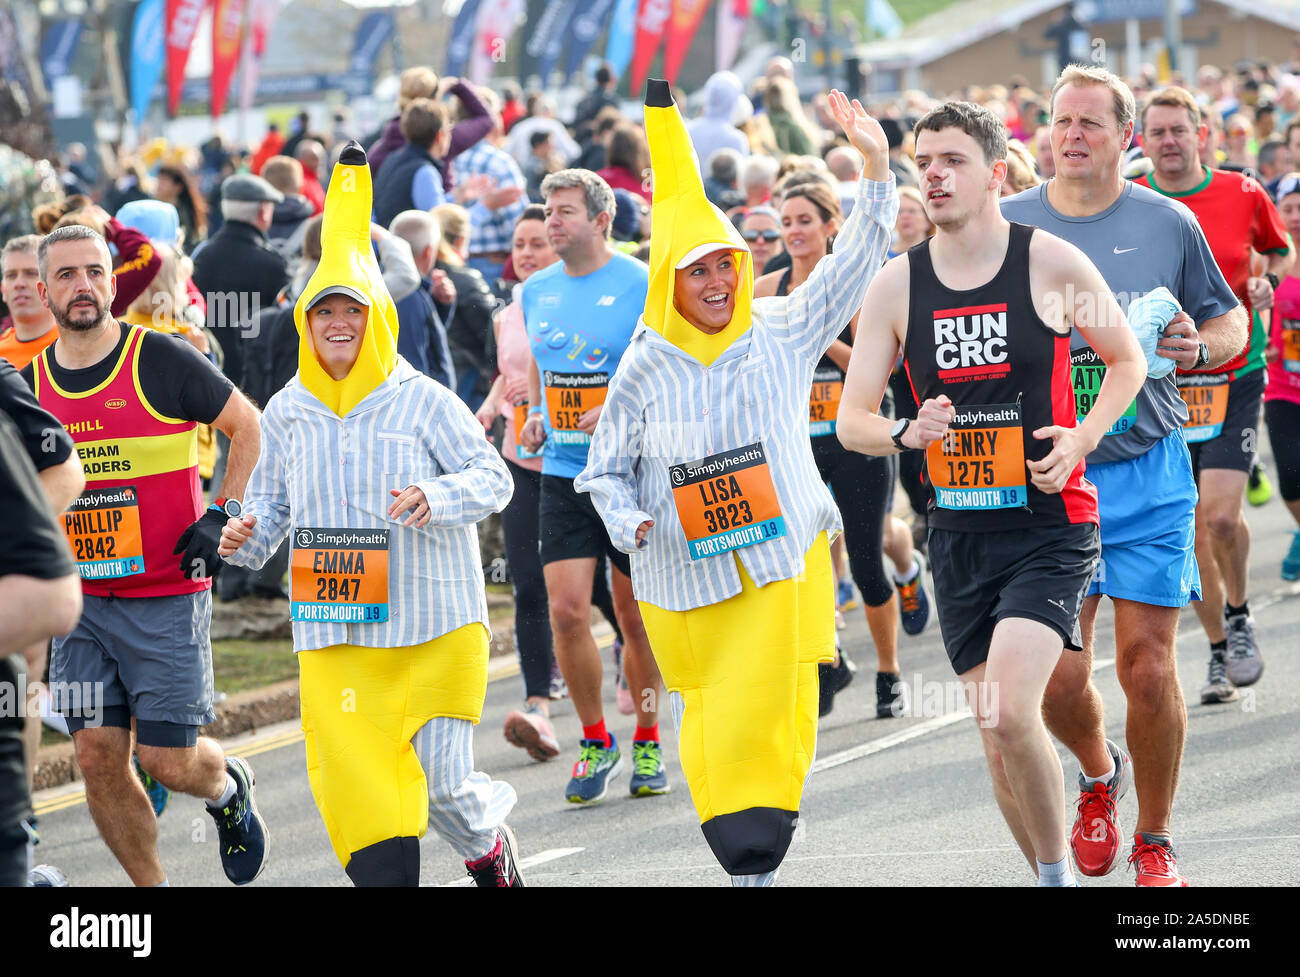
[648, 775]
[913, 602]
[158, 794]
[844, 594]
[241, 832]
[1291, 562]
[596, 766]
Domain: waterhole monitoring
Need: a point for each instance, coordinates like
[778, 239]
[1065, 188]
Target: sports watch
[231, 507]
[1202, 356]
[1272, 279]
[900, 427]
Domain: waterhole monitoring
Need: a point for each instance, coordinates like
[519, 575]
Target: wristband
[536, 409]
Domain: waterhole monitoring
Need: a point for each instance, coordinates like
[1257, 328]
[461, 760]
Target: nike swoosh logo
[1125, 251]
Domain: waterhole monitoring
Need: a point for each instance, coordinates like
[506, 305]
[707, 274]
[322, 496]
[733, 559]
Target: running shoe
[648, 774]
[1291, 562]
[498, 869]
[1245, 664]
[158, 794]
[46, 877]
[832, 680]
[913, 602]
[844, 594]
[1094, 839]
[531, 730]
[559, 689]
[891, 696]
[622, 694]
[1153, 860]
[1217, 688]
[596, 766]
[245, 842]
[1259, 489]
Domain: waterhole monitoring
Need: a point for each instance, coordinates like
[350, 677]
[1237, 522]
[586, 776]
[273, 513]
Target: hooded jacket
[715, 129]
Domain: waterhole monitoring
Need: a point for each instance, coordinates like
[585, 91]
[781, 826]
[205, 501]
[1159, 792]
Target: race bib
[339, 576]
[1291, 345]
[1206, 397]
[727, 501]
[980, 462]
[103, 529]
[824, 401]
[520, 416]
[568, 397]
[1087, 371]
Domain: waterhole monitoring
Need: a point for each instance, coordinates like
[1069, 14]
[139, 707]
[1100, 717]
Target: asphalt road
[899, 802]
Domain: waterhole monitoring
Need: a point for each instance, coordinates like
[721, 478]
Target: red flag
[227, 37]
[651, 22]
[182, 21]
[685, 21]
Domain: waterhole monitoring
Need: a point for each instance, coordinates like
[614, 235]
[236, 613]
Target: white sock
[1104, 778]
[226, 794]
[911, 574]
[1054, 874]
[164, 884]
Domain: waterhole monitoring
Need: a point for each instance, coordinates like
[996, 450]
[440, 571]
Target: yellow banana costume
[361, 706]
[746, 667]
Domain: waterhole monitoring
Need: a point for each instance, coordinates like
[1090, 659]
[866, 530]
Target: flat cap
[246, 186]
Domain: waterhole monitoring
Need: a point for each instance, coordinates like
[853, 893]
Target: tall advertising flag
[261, 17]
[497, 21]
[585, 27]
[651, 23]
[683, 24]
[462, 38]
[182, 21]
[227, 38]
[622, 31]
[555, 39]
[732, 16]
[148, 54]
[59, 47]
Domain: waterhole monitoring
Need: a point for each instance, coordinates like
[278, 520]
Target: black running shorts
[981, 578]
[570, 527]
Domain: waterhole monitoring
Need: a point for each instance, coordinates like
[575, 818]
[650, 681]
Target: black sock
[1230, 611]
[1218, 646]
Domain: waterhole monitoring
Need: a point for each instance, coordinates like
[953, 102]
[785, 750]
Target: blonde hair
[1083, 75]
[454, 221]
[418, 82]
[1021, 170]
[166, 296]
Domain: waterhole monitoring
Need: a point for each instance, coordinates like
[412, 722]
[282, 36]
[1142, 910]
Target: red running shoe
[1094, 839]
[1153, 860]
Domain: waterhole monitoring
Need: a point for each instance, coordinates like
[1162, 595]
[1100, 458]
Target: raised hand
[863, 132]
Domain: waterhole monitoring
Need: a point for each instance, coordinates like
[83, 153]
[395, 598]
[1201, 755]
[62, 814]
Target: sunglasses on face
[768, 236]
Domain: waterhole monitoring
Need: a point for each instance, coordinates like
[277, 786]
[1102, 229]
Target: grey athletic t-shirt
[1140, 242]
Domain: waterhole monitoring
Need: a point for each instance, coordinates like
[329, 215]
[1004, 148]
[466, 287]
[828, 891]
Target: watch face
[233, 508]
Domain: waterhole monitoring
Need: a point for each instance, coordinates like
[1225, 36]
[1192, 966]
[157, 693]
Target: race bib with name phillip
[103, 529]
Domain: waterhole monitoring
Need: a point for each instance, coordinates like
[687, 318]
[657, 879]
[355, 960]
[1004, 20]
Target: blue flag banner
[59, 47]
[555, 39]
[373, 33]
[622, 34]
[148, 54]
[462, 38]
[583, 31]
[883, 20]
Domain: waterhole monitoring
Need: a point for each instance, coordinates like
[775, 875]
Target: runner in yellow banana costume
[737, 623]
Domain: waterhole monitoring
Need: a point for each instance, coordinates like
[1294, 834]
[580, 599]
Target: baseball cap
[1288, 184]
[329, 290]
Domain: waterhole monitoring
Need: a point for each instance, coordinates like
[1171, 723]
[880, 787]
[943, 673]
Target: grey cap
[246, 186]
[329, 290]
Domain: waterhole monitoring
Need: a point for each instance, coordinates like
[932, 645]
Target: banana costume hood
[348, 262]
[684, 227]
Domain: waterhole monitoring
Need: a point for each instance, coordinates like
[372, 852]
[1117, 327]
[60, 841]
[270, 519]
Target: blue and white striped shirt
[665, 408]
[321, 471]
[492, 230]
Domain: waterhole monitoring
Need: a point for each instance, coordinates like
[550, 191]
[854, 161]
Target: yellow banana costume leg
[361, 707]
[746, 669]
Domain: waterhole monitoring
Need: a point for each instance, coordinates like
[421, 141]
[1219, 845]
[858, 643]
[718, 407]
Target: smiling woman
[704, 291]
[337, 322]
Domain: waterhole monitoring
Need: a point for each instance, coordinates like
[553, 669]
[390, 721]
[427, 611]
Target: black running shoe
[498, 869]
[241, 832]
[891, 696]
[833, 679]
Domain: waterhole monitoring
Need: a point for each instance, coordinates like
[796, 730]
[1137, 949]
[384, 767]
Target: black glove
[198, 545]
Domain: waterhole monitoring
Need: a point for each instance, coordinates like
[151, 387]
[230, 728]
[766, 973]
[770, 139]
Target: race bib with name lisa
[339, 576]
[980, 462]
[103, 529]
[568, 397]
[727, 501]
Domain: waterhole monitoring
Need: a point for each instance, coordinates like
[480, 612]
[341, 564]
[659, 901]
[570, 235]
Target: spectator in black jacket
[602, 96]
[469, 329]
[421, 335]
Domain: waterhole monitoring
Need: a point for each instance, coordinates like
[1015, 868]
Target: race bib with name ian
[980, 462]
[1087, 371]
[103, 529]
[568, 397]
[727, 501]
[339, 576]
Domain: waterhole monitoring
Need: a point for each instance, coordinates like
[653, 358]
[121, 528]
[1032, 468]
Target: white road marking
[541, 858]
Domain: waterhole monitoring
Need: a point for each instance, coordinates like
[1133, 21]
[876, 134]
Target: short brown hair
[1121, 94]
[1173, 97]
[422, 120]
[284, 173]
[974, 120]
